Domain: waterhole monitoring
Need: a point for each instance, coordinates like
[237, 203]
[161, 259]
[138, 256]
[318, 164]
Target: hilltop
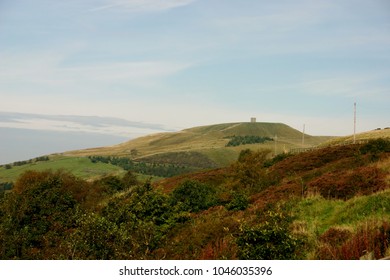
[167, 154]
[210, 141]
[163, 155]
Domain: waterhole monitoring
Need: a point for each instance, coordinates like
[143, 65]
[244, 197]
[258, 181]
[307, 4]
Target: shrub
[249, 172]
[376, 146]
[248, 139]
[371, 239]
[111, 184]
[240, 201]
[98, 238]
[335, 236]
[194, 196]
[144, 216]
[37, 215]
[343, 185]
[129, 179]
[276, 159]
[270, 240]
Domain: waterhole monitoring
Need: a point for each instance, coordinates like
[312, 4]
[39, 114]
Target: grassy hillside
[79, 166]
[335, 203]
[168, 154]
[189, 150]
[362, 136]
[328, 203]
[208, 140]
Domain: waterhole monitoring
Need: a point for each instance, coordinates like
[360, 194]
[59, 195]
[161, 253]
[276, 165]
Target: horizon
[56, 134]
[115, 126]
[187, 63]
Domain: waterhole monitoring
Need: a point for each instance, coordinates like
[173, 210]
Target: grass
[222, 156]
[79, 166]
[373, 134]
[209, 140]
[320, 214]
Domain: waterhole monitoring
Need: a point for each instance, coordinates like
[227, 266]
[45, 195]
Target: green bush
[375, 147]
[270, 240]
[248, 139]
[36, 216]
[111, 184]
[141, 219]
[194, 196]
[240, 201]
[249, 173]
[276, 159]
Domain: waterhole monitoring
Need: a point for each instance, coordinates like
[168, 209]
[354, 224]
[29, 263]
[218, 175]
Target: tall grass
[338, 229]
[321, 213]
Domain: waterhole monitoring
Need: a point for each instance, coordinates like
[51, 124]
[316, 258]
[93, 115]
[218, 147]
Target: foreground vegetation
[331, 203]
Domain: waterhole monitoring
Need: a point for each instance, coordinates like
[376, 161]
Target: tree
[129, 179]
[194, 196]
[36, 216]
[249, 172]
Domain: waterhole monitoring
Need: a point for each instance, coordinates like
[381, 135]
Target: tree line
[55, 215]
[24, 162]
[153, 169]
[248, 139]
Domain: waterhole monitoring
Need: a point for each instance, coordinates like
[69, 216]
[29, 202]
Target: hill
[329, 203]
[359, 137]
[209, 141]
[172, 153]
[335, 201]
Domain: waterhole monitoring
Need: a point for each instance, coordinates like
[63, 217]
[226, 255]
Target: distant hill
[168, 154]
[209, 141]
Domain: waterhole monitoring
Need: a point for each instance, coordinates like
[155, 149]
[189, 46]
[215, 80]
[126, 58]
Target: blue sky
[183, 63]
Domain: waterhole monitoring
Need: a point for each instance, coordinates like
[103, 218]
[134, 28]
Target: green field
[79, 166]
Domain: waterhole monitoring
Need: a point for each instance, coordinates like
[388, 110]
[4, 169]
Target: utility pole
[354, 122]
[276, 140]
[303, 136]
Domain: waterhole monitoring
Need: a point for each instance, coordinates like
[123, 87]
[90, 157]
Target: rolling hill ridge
[331, 202]
[210, 141]
[173, 153]
[327, 203]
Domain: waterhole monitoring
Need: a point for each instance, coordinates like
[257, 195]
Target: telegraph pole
[354, 122]
[276, 140]
[303, 136]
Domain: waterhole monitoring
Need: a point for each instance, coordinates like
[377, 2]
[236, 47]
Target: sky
[184, 63]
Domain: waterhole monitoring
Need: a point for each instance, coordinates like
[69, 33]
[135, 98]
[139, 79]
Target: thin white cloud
[101, 125]
[142, 5]
[47, 70]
